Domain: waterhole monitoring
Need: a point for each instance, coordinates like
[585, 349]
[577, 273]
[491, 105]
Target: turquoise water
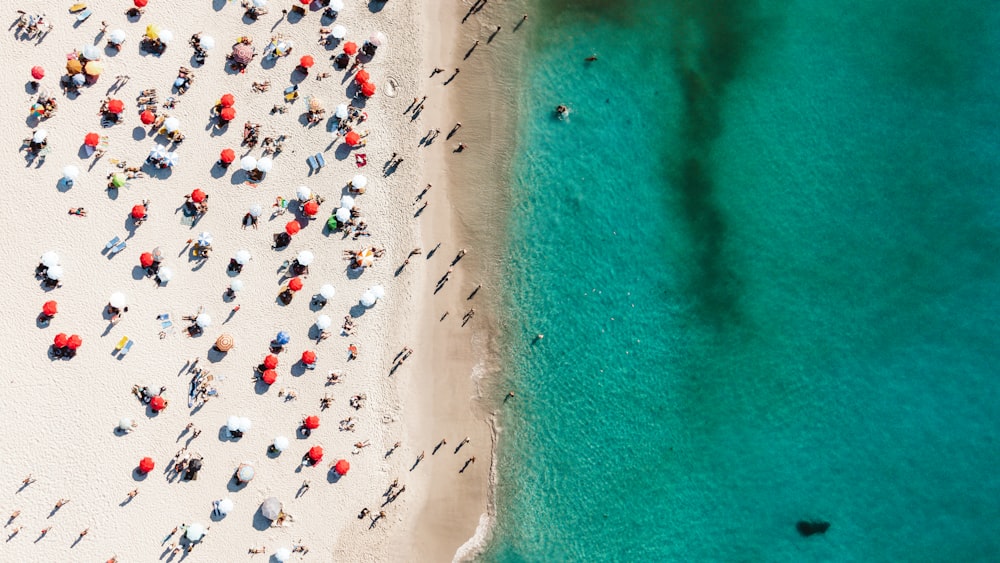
[763, 251]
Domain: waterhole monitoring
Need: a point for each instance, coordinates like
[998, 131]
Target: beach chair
[112, 242]
[292, 93]
[86, 13]
[320, 160]
[121, 343]
[313, 164]
[119, 248]
[128, 346]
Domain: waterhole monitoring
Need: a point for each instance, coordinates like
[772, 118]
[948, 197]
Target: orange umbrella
[311, 208]
[367, 89]
[295, 284]
[270, 361]
[116, 106]
[342, 467]
[147, 117]
[311, 422]
[50, 308]
[60, 340]
[350, 47]
[309, 357]
[269, 376]
[316, 454]
[146, 259]
[362, 76]
[158, 403]
[227, 114]
[227, 156]
[352, 138]
[292, 227]
[227, 100]
[306, 61]
[92, 139]
[74, 342]
[146, 464]
[74, 66]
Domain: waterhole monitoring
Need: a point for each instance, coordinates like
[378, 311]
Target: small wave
[477, 543]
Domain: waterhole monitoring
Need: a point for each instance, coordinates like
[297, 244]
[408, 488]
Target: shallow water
[763, 252]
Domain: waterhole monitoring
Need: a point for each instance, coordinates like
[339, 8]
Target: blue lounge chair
[128, 346]
[313, 165]
[84, 15]
[112, 242]
[320, 160]
[119, 248]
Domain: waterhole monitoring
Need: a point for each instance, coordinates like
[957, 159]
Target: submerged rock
[808, 528]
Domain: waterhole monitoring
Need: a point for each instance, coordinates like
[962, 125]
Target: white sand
[60, 414]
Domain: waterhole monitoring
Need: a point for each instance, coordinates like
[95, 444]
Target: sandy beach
[66, 410]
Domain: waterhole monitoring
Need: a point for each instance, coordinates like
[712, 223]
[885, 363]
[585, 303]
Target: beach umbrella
[367, 89]
[245, 473]
[270, 361]
[125, 424]
[245, 424]
[259, 3]
[248, 163]
[49, 259]
[323, 322]
[377, 39]
[338, 32]
[147, 117]
[54, 273]
[282, 338]
[74, 342]
[157, 403]
[118, 179]
[227, 100]
[359, 181]
[306, 61]
[305, 258]
[225, 342]
[171, 124]
[242, 53]
[308, 357]
[203, 320]
[341, 111]
[166, 36]
[171, 159]
[37, 109]
[311, 208]
[327, 291]
[362, 76]
[158, 152]
[91, 52]
[311, 422]
[227, 114]
[295, 284]
[316, 454]
[227, 156]
[281, 555]
[242, 257]
[365, 257]
[93, 68]
[116, 106]
[118, 299]
[140, 3]
[269, 376]
[280, 444]
[73, 67]
[271, 507]
[37, 72]
[117, 37]
[146, 464]
[305, 2]
[233, 423]
[225, 506]
[342, 467]
[351, 48]
[292, 227]
[255, 210]
[368, 298]
[79, 79]
[265, 164]
[197, 195]
[165, 274]
[92, 139]
[39, 135]
[352, 138]
[60, 340]
[378, 291]
[336, 5]
[70, 173]
[207, 42]
[204, 238]
[50, 308]
[343, 215]
[303, 193]
[145, 259]
[236, 285]
[346, 201]
[194, 531]
[138, 211]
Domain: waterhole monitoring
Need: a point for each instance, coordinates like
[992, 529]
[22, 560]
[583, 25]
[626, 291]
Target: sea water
[763, 253]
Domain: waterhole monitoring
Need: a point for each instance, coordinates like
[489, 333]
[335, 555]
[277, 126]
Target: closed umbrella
[146, 464]
[117, 36]
[292, 227]
[92, 139]
[227, 156]
[265, 164]
[271, 507]
[118, 299]
[165, 274]
[323, 322]
[147, 117]
[311, 422]
[308, 357]
[270, 361]
[342, 467]
[227, 100]
[225, 506]
[352, 138]
[54, 273]
[50, 308]
[204, 238]
[316, 454]
[248, 163]
[311, 208]
[171, 124]
[295, 284]
[280, 444]
[343, 214]
[327, 291]
[341, 111]
[195, 532]
[351, 48]
[339, 31]
[305, 258]
[49, 259]
[203, 320]
[269, 376]
[256, 210]
[303, 193]
[207, 42]
[242, 257]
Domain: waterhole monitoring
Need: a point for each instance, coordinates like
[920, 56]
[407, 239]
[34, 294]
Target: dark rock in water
[807, 528]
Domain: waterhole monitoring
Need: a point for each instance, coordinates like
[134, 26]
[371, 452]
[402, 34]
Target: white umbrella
[305, 258]
[265, 164]
[125, 424]
[248, 163]
[171, 124]
[341, 112]
[346, 201]
[336, 5]
[303, 193]
[327, 291]
[171, 159]
[71, 173]
[379, 291]
[259, 3]
[91, 52]
[339, 31]
[280, 443]
[245, 424]
[282, 555]
[117, 37]
[54, 273]
[242, 257]
[343, 214]
[377, 39]
[368, 298]
[323, 322]
[39, 135]
[203, 320]
[225, 506]
[165, 274]
[204, 238]
[117, 300]
[166, 36]
[359, 181]
[159, 151]
[256, 210]
[236, 285]
[233, 423]
[49, 259]
[195, 532]
[207, 42]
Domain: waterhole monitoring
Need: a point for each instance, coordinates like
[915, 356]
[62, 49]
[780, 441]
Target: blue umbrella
[282, 338]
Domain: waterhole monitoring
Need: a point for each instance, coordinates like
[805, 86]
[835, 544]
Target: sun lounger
[313, 165]
[128, 346]
[119, 248]
[86, 13]
[112, 242]
[121, 343]
[320, 160]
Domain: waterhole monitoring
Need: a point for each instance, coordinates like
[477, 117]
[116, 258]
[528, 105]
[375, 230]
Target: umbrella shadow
[235, 486]
[355, 273]
[298, 369]
[297, 76]
[138, 272]
[139, 476]
[343, 151]
[110, 51]
[226, 436]
[63, 186]
[214, 355]
[358, 311]
[239, 177]
[294, 16]
[375, 6]
[218, 170]
[138, 133]
[260, 523]
[268, 63]
[260, 387]
[216, 516]
[332, 476]
[218, 5]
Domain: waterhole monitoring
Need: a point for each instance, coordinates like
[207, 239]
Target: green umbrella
[331, 223]
[118, 180]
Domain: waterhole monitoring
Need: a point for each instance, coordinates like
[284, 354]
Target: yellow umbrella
[153, 31]
[94, 68]
[73, 66]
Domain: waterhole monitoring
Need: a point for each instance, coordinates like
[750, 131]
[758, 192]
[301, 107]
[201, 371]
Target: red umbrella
[227, 156]
[306, 2]
[92, 139]
[350, 47]
[60, 340]
[138, 211]
[158, 403]
[197, 196]
[311, 208]
[146, 464]
[367, 89]
[227, 114]
[306, 61]
[270, 361]
[295, 284]
[269, 376]
[311, 422]
[74, 342]
[227, 100]
[293, 227]
[308, 357]
[352, 138]
[147, 117]
[362, 76]
[316, 454]
[146, 259]
[342, 467]
[116, 106]
[50, 308]
[37, 72]
[140, 3]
